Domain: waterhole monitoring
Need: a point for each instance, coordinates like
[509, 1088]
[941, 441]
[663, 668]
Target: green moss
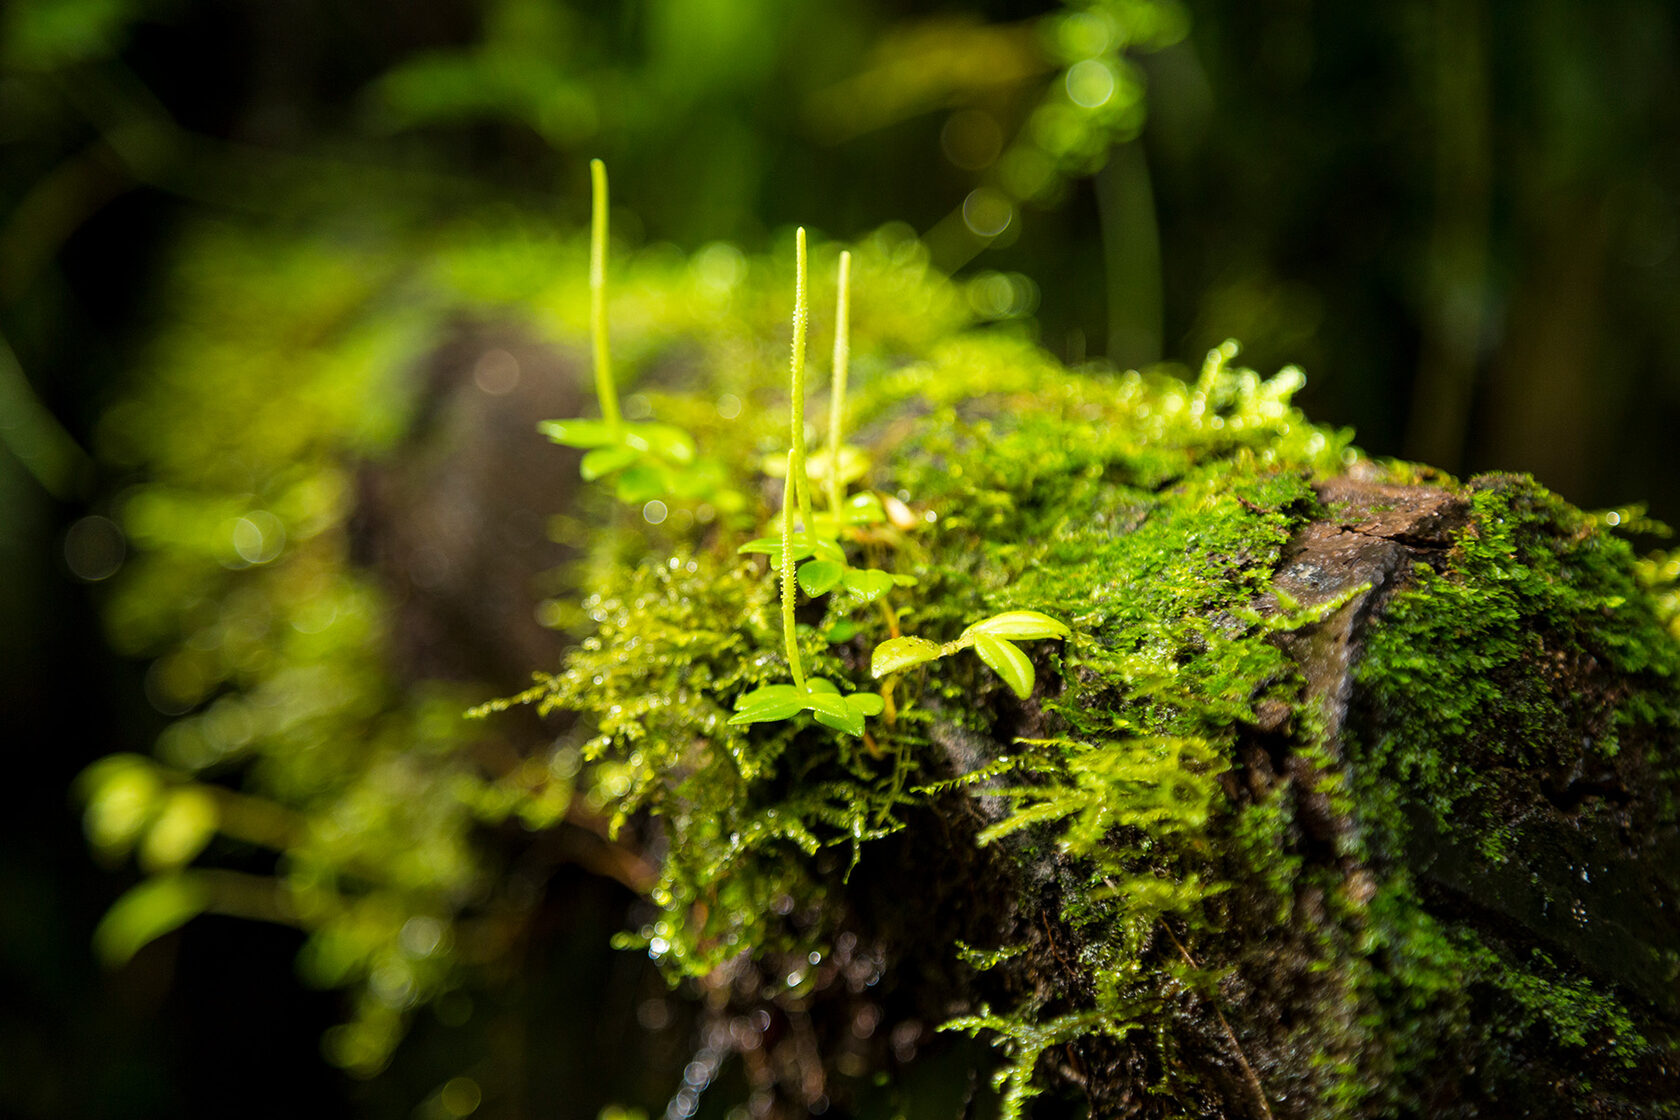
[1492, 663]
[1527, 655]
[1148, 512]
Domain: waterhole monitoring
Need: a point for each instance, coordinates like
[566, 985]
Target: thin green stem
[605, 391]
[837, 397]
[801, 316]
[789, 588]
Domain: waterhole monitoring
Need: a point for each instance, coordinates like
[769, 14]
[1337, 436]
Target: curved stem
[837, 398]
[605, 392]
[801, 316]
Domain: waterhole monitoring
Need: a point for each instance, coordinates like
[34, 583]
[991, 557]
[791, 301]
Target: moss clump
[1131, 791]
[1146, 512]
[1521, 706]
[1198, 892]
[1502, 661]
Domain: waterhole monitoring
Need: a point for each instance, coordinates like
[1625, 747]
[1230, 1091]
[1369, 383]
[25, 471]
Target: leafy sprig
[842, 711]
[648, 458]
[992, 638]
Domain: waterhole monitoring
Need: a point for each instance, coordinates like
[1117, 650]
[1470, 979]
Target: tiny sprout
[642, 455]
[992, 638]
[826, 569]
[818, 696]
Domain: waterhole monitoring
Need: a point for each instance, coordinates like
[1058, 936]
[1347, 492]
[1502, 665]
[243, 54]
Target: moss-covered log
[1352, 794]
[1351, 791]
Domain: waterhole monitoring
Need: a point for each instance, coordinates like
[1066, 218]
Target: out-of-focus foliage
[259, 219]
[295, 731]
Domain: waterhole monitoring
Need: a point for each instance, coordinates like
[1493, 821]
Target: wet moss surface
[1350, 795]
[1352, 791]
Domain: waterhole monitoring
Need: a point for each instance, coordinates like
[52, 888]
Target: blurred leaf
[819, 576]
[868, 584]
[579, 433]
[122, 793]
[145, 913]
[640, 482]
[664, 440]
[606, 460]
[180, 831]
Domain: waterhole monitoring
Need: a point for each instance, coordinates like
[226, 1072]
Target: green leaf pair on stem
[824, 567]
[819, 697]
[992, 638]
[843, 712]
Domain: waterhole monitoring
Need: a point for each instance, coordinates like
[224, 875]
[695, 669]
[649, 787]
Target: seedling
[823, 571]
[644, 455]
[817, 544]
[992, 638]
[818, 696]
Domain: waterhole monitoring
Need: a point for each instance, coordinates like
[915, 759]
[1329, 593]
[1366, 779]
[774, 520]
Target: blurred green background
[1461, 217]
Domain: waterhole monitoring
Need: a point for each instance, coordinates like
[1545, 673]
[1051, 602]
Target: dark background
[1461, 218]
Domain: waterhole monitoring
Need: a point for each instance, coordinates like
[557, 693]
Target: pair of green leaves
[843, 712]
[992, 638]
[824, 568]
[643, 455]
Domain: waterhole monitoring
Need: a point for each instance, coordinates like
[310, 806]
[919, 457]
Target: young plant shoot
[644, 456]
[992, 638]
[818, 696]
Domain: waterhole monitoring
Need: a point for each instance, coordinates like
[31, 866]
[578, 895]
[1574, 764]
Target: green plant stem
[789, 588]
[837, 397]
[605, 391]
[801, 316]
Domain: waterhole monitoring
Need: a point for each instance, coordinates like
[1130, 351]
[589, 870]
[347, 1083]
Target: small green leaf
[843, 631]
[854, 464]
[1019, 625]
[764, 705]
[864, 509]
[842, 718]
[664, 440]
[903, 581]
[826, 549]
[605, 460]
[866, 703]
[145, 913]
[579, 433]
[1007, 660]
[640, 482]
[183, 827]
[704, 479]
[803, 545]
[868, 584]
[831, 704]
[897, 654]
[821, 684]
[818, 576]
